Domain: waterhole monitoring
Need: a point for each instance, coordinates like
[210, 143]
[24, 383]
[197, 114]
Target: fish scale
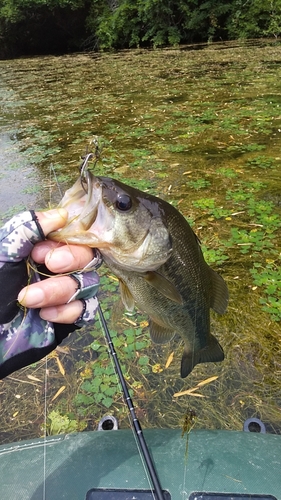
[188, 270]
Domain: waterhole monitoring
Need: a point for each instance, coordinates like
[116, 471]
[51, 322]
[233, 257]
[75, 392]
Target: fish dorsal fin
[211, 353]
[160, 334]
[219, 296]
[126, 296]
[164, 286]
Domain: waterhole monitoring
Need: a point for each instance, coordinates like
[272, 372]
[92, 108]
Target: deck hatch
[123, 494]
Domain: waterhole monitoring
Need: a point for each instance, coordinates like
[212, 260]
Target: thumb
[52, 219]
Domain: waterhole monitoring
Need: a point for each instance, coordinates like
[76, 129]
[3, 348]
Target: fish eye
[123, 202]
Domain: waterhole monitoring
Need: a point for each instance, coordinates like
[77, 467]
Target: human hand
[51, 295]
[53, 307]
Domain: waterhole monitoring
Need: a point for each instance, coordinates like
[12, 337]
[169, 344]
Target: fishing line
[45, 429]
[136, 424]
[53, 172]
[34, 268]
[184, 490]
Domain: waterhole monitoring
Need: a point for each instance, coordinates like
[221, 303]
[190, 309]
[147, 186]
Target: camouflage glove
[24, 336]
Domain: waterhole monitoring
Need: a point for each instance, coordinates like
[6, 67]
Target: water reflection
[18, 180]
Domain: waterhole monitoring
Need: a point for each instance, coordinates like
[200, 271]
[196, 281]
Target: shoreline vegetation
[37, 27]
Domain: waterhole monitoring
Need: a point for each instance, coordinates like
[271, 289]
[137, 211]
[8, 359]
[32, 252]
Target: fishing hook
[83, 168]
[83, 171]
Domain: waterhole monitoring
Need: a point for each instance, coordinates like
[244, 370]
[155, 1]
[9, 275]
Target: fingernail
[60, 260]
[31, 296]
[49, 313]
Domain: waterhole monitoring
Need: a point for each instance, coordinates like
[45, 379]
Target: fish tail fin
[188, 361]
[211, 353]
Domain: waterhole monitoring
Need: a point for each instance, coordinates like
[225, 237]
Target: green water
[201, 128]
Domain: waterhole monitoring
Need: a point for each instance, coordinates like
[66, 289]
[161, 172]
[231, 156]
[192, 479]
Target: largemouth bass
[157, 258]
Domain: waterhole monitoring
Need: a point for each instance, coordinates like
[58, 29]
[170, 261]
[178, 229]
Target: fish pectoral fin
[160, 334]
[219, 296]
[126, 296]
[211, 353]
[164, 286]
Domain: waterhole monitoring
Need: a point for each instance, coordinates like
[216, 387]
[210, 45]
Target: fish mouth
[88, 198]
[95, 219]
[82, 203]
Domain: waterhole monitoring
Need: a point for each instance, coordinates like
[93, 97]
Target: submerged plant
[62, 424]
[268, 279]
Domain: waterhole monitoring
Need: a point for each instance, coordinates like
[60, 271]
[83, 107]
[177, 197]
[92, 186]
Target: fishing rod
[128, 400]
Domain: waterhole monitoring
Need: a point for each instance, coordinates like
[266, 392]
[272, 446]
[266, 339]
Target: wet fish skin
[157, 258]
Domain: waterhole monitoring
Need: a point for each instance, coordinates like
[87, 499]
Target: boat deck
[214, 465]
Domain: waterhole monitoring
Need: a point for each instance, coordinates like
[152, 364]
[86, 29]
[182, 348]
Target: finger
[62, 258]
[68, 258]
[52, 292]
[66, 314]
[41, 249]
[80, 312]
[23, 231]
[52, 219]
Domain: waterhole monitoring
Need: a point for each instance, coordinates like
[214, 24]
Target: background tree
[254, 19]
[50, 26]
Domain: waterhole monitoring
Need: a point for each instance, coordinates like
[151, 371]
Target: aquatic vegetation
[262, 162]
[199, 184]
[202, 130]
[62, 424]
[269, 279]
